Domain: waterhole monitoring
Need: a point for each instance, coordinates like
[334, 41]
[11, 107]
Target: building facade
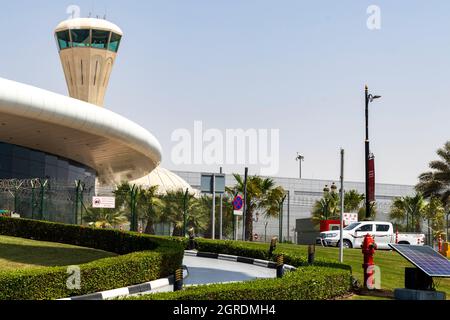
[302, 196]
[56, 150]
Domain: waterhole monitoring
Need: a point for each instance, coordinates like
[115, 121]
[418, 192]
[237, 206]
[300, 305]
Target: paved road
[207, 271]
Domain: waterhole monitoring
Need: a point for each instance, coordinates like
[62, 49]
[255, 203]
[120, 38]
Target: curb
[256, 262]
[146, 288]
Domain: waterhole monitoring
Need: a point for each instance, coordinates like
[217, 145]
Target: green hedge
[143, 258]
[307, 283]
[261, 251]
[325, 280]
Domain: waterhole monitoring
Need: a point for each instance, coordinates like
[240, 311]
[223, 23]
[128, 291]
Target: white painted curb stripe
[115, 293]
[227, 257]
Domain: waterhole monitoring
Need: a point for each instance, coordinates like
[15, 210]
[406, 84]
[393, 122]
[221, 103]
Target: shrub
[325, 280]
[307, 283]
[261, 251]
[144, 258]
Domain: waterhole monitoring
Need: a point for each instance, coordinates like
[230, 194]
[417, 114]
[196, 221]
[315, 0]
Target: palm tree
[104, 218]
[151, 205]
[411, 209]
[173, 210]
[328, 207]
[262, 195]
[353, 201]
[373, 212]
[437, 182]
[434, 214]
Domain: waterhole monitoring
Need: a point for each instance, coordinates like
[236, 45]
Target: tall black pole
[367, 154]
[244, 217]
[186, 194]
[300, 161]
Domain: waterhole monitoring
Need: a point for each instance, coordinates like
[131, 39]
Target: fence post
[41, 209]
[33, 199]
[134, 193]
[77, 190]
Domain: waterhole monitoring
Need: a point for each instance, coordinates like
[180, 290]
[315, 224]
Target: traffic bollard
[311, 254]
[280, 266]
[191, 239]
[178, 283]
[273, 245]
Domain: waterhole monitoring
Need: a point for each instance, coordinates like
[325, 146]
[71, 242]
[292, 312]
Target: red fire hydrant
[368, 249]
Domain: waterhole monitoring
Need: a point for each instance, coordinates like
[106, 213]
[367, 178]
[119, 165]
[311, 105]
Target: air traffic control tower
[88, 48]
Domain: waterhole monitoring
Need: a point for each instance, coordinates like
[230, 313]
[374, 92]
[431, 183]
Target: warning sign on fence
[104, 202]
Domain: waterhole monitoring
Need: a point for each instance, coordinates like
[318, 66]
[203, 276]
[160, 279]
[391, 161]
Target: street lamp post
[300, 159]
[369, 99]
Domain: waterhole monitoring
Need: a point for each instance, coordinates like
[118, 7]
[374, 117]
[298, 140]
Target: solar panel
[425, 258]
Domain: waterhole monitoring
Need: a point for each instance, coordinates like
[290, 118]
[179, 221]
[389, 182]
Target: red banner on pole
[372, 179]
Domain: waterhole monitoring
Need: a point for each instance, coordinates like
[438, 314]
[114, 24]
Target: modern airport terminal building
[50, 141]
[60, 139]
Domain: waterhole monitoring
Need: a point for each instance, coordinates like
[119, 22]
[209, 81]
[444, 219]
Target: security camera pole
[300, 159]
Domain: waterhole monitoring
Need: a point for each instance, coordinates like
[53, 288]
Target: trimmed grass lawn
[392, 265]
[16, 253]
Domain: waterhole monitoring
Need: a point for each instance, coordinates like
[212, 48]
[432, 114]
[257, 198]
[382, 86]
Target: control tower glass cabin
[88, 48]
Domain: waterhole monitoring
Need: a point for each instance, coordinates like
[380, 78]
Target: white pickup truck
[383, 232]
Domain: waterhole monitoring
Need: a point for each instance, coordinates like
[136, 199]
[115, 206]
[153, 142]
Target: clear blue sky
[297, 66]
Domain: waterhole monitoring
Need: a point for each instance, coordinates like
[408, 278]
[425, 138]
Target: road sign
[238, 203]
[207, 183]
[425, 258]
[104, 202]
[238, 213]
[350, 218]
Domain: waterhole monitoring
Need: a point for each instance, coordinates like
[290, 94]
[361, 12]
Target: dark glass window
[6, 149]
[5, 162]
[37, 156]
[367, 227]
[63, 171]
[383, 227]
[20, 152]
[37, 169]
[115, 42]
[63, 39]
[51, 160]
[100, 39]
[81, 37]
[21, 166]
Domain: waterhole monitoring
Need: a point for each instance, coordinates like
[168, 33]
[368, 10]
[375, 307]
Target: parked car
[383, 232]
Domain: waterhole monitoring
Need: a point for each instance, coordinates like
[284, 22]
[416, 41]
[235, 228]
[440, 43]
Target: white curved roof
[88, 23]
[166, 180]
[117, 148]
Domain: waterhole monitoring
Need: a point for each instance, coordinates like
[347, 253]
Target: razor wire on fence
[136, 208]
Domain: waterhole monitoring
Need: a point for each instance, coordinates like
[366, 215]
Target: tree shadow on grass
[48, 256]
